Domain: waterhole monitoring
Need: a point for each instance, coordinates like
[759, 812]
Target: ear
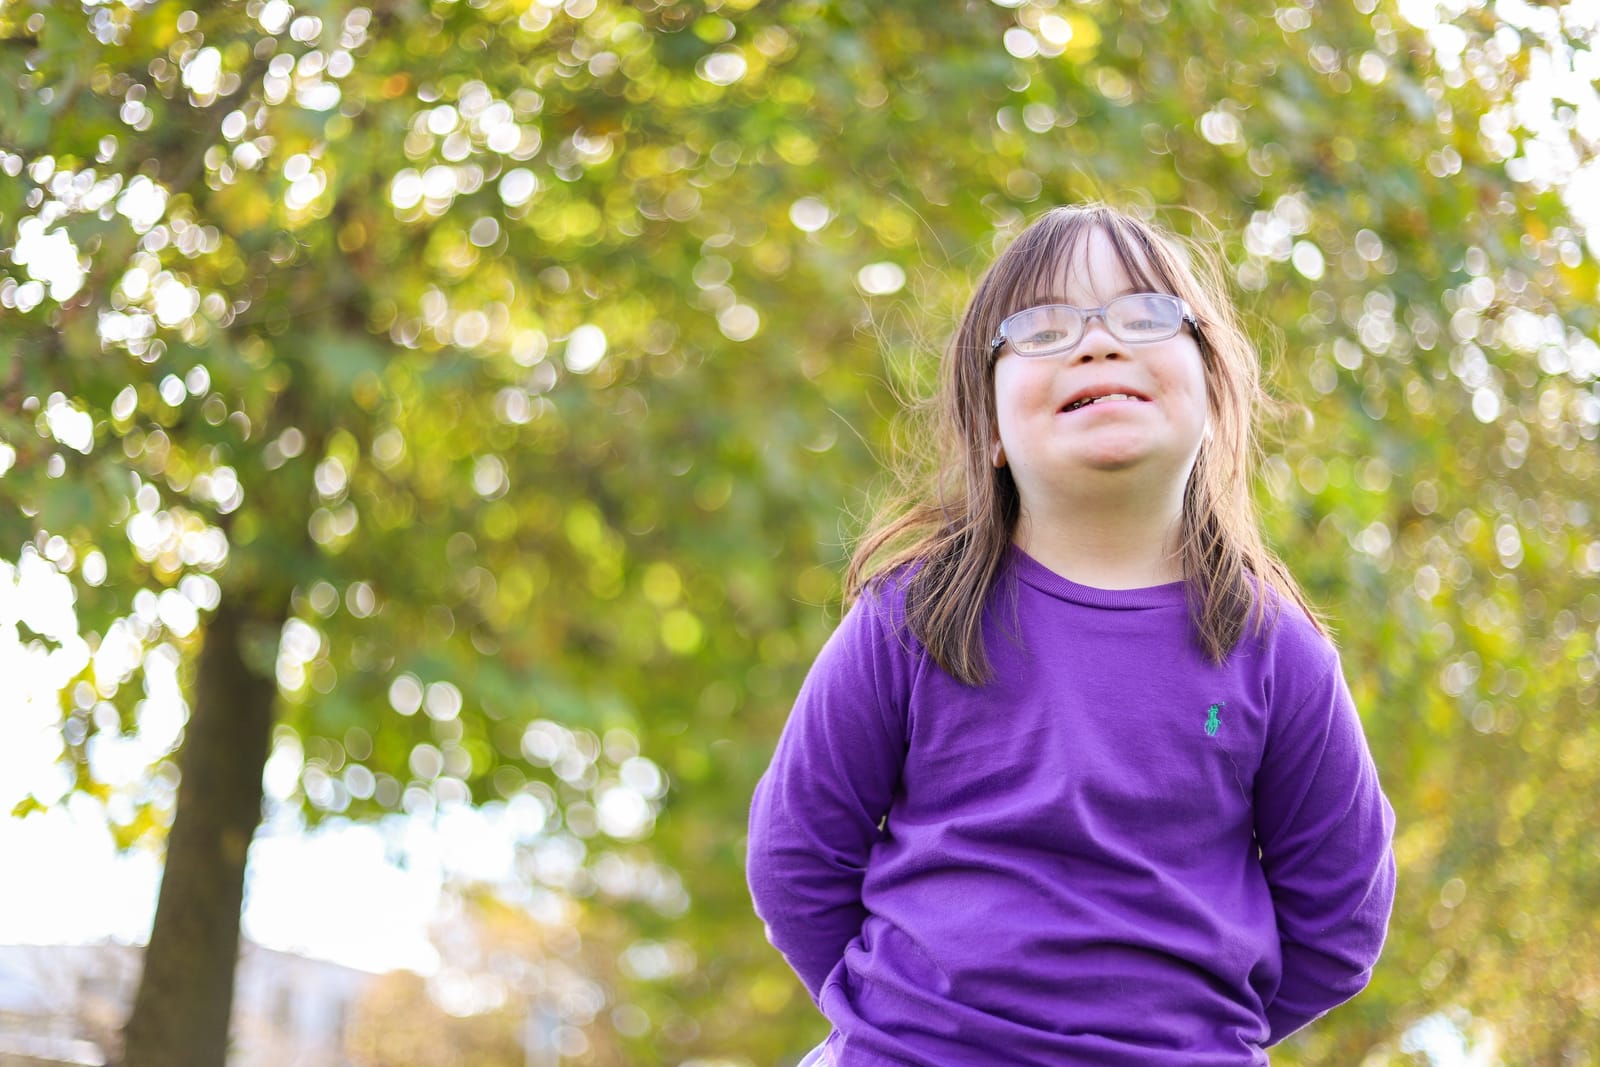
[997, 455]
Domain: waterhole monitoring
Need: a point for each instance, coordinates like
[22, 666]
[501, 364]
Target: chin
[1117, 459]
[1135, 466]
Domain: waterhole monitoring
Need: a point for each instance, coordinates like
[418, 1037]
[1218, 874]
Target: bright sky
[333, 894]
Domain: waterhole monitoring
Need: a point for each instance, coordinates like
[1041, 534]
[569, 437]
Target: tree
[459, 388]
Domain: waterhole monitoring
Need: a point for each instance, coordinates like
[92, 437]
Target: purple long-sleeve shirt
[1116, 852]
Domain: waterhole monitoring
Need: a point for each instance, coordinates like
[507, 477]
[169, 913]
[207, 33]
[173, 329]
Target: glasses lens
[1145, 316]
[1044, 329]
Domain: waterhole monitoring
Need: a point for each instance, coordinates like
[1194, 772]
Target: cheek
[1010, 419]
[1005, 404]
[1187, 383]
[1017, 394]
[1202, 400]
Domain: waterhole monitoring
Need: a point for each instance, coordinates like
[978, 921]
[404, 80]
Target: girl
[1077, 780]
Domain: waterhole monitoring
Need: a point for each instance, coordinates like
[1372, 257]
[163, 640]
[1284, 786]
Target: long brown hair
[956, 525]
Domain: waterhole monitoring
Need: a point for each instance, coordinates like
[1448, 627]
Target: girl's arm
[1324, 828]
[816, 813]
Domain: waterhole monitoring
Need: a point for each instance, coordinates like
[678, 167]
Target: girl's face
[1147, 440]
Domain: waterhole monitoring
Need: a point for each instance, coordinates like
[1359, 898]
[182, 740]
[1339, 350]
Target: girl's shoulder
[881, 605]
[883, 596]
[1289, 639]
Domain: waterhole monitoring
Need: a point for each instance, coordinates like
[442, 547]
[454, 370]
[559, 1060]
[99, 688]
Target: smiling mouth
[1084, 402]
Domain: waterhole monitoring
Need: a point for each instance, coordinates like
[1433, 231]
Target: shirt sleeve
[817, 811]
[1325, 831]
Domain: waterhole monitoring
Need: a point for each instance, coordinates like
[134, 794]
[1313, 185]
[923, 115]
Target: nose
[1097, 342]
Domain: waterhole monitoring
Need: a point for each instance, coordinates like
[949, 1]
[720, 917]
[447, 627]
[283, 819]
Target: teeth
[1086, 401]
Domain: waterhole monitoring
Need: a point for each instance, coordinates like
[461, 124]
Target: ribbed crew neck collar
[1047, 581]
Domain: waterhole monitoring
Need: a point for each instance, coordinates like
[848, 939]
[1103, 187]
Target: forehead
[1085, 265]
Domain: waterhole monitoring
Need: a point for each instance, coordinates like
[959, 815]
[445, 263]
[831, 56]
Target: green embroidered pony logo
[1213, 721]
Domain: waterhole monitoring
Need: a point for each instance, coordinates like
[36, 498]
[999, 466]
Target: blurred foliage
[545, 351]
[532, 983]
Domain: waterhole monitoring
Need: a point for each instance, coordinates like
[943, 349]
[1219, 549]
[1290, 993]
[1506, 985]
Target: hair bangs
[1035, 268]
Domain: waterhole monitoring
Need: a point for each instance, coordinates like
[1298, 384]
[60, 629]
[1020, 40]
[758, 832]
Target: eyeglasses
[1137, 318]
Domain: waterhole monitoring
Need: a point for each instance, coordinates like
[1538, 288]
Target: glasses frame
[1186, 317]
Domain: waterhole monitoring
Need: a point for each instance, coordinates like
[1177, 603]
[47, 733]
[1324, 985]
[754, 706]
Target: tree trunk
[180, 1014]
